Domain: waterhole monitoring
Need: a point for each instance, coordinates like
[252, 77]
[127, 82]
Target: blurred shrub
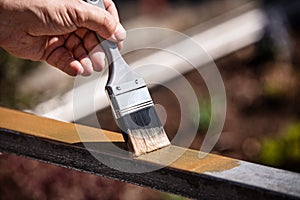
[273, 90]
[283, 151]
[205, 115]
[168, 196]
[12, 69]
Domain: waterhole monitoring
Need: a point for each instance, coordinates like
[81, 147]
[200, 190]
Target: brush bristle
[142, 140]
[143, 131]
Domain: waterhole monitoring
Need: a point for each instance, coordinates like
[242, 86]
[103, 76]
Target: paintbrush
[131, 103]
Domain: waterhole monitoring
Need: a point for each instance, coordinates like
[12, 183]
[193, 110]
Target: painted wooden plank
[52, 129]
[211, 177]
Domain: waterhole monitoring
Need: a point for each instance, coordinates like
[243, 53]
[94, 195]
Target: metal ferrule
[129, 97]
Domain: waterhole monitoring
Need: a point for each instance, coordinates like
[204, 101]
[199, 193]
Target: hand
[61, 32]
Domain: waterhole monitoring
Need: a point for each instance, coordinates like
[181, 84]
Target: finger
[111, 8]
[95, 18]
[52, 44]
[119, 34]
[75, 46]
[97, 56]
[96, 53]
[81, 32]
[90, 41]
[120, 45]
[59, 57]
[72, 41]
[87, 66]
[81, 55]
[63, 60]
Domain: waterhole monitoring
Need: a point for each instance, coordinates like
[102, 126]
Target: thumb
[95, 19]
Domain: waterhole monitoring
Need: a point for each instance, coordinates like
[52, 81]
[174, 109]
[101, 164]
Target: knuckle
[80, 16]
[109, 24]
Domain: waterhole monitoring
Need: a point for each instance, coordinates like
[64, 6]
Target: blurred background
[260, 67]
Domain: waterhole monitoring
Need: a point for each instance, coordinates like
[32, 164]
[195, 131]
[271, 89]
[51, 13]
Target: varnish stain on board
[52, 129]
[172, 156]
[189, 160]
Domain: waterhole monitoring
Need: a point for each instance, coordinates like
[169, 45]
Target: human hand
[61, 32]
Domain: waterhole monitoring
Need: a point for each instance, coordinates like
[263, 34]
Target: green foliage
[12, 70]
[168, 196]
[205, 114]
[285, 148]
[273, 90]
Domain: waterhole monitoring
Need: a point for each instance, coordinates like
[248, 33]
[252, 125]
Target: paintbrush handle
[110, 48]
[126, 89]
[117, 65]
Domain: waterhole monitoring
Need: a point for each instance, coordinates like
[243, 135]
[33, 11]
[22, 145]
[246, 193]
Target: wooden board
[97, 151]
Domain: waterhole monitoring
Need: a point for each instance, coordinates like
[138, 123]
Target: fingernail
[81, 70]
[88, 67]
[77, 67]
[120, 45]
[98, 60]
[120, 33]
